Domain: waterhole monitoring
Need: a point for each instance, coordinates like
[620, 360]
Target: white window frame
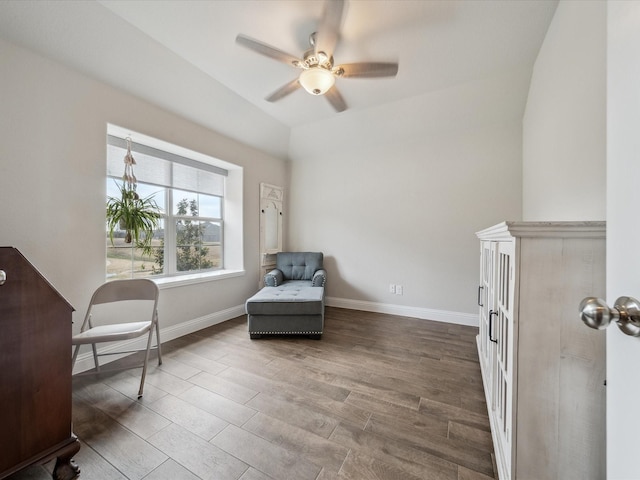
[232, 261]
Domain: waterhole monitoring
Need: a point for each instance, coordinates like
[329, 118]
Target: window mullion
[170, 236]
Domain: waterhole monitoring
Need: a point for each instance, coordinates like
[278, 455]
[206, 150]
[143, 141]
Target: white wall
[623, 233]
[395, 196]
[564, 124]
[53, 125]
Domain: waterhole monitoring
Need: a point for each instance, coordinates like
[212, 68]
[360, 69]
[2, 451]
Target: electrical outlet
[392, 288]
[398, 289]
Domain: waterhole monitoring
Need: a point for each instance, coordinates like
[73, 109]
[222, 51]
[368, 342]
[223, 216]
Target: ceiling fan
[319, 73]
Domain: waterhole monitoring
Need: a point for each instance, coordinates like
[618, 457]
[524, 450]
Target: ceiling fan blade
[329, 27]
[335, 99]
[368, 69]
[283, 91]
[267, 50]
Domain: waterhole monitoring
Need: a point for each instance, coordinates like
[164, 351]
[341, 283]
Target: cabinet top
[24, 280]
[508, 230]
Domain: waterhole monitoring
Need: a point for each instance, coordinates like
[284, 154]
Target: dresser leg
[66, 468]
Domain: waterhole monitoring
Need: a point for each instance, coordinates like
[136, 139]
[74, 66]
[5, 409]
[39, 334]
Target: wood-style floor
[379, 397]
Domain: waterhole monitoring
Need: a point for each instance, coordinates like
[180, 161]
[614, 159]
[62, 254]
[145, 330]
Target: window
[191, 197]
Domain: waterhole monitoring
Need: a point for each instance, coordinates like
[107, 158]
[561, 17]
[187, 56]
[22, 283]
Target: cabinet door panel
[486, 303]
[504, 359]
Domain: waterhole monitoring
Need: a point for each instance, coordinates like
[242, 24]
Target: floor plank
[197, 455]
[270, 458]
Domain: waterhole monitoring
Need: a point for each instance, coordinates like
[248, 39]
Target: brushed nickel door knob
[595, 313]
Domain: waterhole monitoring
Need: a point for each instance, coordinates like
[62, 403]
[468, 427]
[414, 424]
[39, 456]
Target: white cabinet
[543, 370]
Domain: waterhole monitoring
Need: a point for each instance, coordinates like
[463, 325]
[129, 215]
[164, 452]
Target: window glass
[210, 206]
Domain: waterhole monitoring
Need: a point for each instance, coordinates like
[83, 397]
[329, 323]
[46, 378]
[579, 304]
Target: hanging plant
[138, 217]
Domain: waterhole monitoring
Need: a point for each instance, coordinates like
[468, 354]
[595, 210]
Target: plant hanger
[129, 179]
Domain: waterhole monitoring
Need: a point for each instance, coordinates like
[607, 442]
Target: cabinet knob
[3, 277]
[595, 313]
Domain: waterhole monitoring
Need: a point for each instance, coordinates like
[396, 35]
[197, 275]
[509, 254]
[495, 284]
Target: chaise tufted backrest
[299, 265]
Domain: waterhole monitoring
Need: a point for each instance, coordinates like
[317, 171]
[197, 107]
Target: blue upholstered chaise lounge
[292, 301]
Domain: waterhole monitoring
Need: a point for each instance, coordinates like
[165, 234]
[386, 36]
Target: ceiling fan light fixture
[317, 80]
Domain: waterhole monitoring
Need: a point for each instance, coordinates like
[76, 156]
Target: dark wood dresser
[35, 371]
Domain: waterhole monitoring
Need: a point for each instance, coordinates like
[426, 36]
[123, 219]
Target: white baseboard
[458, 318]
[85, 360]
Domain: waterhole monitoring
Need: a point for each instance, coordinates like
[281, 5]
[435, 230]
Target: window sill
[182, 280]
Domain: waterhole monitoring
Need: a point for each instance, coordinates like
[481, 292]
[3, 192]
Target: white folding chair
[133, 294]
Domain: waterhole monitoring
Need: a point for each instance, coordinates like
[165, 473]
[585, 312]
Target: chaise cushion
[292, 298]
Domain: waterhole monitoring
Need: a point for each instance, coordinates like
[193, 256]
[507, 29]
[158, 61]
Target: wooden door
[623, 234]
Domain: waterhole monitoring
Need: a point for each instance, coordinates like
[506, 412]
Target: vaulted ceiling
[182, 55]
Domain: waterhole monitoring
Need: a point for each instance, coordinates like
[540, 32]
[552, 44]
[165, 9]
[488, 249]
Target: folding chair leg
[75, 356]
[95, 356]
[158, 343]
[146, 362]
